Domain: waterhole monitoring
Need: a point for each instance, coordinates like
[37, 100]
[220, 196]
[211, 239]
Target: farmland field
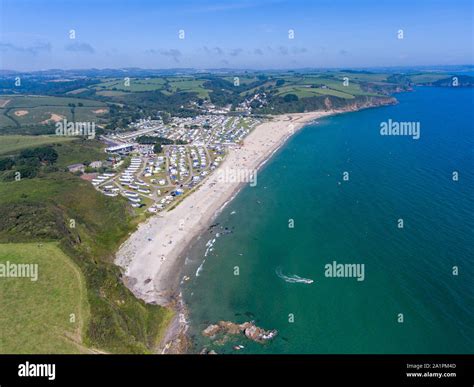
[12, 144]
[362, 77]
[110, 93]
[136, 84]
[428, 77]
[31, 101]
[305, 91]
[189, 85]
[115, 87]
[243, 80]
[5, 120]
[47, 315]
[27, 110]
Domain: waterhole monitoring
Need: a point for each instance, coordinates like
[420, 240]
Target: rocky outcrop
[248, 329]
[211, 331]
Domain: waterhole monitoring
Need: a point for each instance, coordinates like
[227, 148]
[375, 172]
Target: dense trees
[29, 163]
[41, 86]
[6, 164]
[290, 98]
[44, 154]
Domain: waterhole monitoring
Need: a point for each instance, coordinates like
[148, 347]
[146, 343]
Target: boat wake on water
[292, 278]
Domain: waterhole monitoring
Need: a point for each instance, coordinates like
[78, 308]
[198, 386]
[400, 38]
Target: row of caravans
[102, 179]
[110, 190]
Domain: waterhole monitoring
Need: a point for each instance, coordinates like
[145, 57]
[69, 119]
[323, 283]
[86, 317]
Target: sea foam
[292, 278]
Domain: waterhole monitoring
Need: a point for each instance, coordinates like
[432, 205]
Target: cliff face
[366, 102]
[311, 104]
[358, 103]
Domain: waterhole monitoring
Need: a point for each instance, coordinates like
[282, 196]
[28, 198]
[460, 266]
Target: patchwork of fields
[167, 86]
[91, 102]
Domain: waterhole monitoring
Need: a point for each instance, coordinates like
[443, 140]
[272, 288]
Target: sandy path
[153, 255]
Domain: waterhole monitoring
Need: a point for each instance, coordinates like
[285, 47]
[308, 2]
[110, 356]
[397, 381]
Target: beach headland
[153, 257]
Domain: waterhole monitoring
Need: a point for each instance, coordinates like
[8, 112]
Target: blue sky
[234, 34]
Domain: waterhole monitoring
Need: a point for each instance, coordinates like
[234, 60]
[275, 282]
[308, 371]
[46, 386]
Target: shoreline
[153, 257]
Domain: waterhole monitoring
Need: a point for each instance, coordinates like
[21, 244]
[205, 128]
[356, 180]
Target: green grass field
[111, 93]
[304, 92]
[48, 315]
[243, 79]
[136, 84]
[32, 101]
[428, 77]
[362, 77]
[189, 85]
[302, 85]
[43, 115]
[5, 120]
[79, 151]
[12, 144]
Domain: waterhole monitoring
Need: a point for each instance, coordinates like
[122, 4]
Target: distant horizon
[434, 67]
[256, 34]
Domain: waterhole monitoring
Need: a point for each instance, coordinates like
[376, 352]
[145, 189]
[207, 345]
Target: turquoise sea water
[408, 270]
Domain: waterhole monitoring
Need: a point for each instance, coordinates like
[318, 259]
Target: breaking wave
[199, 269]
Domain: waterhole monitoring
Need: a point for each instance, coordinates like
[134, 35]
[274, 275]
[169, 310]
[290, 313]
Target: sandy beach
[153, 256]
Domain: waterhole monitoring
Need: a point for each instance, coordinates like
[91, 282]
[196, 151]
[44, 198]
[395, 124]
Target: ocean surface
[409, 300]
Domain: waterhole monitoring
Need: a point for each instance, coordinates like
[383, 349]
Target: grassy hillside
[423, 78]
[47, 315]
[13, 144]
[79, 151]
[88, 227]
